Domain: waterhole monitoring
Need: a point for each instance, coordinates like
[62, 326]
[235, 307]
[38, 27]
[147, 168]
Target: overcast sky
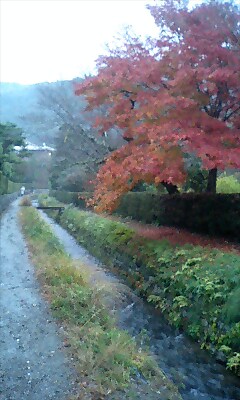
[49, 40]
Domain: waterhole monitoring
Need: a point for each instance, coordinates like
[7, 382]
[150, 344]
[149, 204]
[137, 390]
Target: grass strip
[197, 289]
[107, 358]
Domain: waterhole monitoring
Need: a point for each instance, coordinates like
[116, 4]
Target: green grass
[107, 358]
[196, 288]
[228, 184]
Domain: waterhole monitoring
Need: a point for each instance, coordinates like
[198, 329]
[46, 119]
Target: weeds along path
[32, 364]
[196, 374]
[111, 364]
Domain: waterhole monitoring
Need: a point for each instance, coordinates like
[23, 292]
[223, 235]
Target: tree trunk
[212, 181]
[172, 189]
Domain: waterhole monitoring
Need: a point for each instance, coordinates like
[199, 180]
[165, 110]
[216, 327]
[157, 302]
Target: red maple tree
[175, 95]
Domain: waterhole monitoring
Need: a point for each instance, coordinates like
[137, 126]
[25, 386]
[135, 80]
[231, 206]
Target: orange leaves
[138, 163]
[177, 95]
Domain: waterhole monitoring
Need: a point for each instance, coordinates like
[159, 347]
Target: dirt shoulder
[33, 365]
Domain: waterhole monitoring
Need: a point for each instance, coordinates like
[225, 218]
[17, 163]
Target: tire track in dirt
[33, 365]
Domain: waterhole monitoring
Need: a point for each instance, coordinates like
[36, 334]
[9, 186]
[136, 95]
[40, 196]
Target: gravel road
[33, 364]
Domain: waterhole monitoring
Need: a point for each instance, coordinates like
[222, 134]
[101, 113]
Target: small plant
[25, 201]
[234, 363]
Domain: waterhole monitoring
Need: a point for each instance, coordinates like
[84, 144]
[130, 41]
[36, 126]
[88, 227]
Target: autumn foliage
[177, 95]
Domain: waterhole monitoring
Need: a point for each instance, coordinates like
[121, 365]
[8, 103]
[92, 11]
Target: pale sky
[49, 40]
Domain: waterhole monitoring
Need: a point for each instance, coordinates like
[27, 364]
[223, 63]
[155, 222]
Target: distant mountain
[33, 108]
[42, 109]
[15, 99]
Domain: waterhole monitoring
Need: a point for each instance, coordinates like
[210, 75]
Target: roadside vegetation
[152, 136]
[228, 184]
[10, 160]
[196, 288]
[25, 201]
[107, 358]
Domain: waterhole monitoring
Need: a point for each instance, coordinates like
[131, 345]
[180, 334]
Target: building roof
[34, 147]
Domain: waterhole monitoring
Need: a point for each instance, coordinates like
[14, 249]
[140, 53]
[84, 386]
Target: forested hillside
[51, 113]
[31, 108]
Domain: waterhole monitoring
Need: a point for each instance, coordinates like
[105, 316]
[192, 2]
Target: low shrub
[213, 214]
[45, 200]
[25, 201]
[76, 198]
[196, 288]
[7, 186]
[217, 215]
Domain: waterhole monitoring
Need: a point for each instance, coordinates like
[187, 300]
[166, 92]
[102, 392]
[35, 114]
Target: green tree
[10, 136]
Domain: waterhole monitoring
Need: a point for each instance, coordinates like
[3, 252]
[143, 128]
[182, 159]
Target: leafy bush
[228, 184]
[7, 186]
[76, 198]
[25, 201]
[217, 215]
[45, 200]
[212, 214]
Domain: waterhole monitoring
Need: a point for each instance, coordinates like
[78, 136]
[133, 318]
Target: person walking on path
[22, 190]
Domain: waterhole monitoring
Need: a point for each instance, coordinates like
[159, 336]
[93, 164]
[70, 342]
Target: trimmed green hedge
[197, 289]
[213, 214]
[76, 198]
[7, 186]
[3, 184]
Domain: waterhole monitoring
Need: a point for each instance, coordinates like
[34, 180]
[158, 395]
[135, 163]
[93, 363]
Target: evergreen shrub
[212, 214]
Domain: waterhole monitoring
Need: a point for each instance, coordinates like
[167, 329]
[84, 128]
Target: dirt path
[33, 365]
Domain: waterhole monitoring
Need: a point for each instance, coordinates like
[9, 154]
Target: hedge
[197, 289]
[7, 186]
[76, 198]
[213, 214]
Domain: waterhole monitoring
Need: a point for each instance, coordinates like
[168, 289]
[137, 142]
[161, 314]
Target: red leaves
[180, 236]
[179, 94]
